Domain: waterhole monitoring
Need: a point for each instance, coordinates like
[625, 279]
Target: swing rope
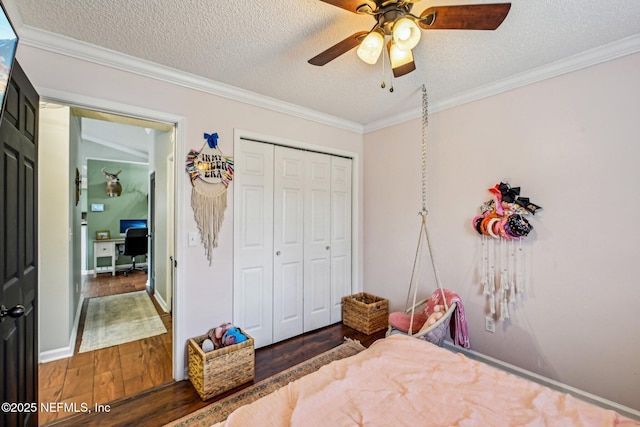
[424, 231]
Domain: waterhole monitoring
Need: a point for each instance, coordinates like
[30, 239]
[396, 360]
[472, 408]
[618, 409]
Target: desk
[106, 248]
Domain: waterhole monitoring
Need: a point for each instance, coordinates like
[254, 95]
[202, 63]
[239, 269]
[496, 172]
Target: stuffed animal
[207, 345]
[216, 334]
[233, 336]
[438, 312]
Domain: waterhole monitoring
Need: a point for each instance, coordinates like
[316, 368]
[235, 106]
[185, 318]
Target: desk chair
[135, 243]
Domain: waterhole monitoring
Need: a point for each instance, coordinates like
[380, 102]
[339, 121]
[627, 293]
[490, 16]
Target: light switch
[193, 238]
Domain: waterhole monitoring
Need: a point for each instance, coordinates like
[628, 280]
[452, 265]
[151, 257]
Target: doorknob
[278, 253]
[14, 312]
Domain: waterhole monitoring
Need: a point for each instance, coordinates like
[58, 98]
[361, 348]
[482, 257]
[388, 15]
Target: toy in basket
[216, 371]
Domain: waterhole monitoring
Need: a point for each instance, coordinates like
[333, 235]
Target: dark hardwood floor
[169, 402]
[109, 374]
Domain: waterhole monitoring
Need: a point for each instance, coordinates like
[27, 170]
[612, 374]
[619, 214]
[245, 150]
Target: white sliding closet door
[317, 242]
[288, 239]
[253, 241]
[340, 234]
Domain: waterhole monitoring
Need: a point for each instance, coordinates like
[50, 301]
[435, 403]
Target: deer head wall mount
[114, 189]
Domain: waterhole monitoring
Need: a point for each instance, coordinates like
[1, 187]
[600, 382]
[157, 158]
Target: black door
[18, 253]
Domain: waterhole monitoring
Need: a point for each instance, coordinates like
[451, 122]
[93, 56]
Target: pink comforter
[402, 381]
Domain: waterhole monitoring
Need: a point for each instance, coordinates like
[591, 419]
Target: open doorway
[102, 146]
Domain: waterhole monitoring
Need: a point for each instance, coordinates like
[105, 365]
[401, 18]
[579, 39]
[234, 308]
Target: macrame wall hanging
[210, 172]
[502, 225]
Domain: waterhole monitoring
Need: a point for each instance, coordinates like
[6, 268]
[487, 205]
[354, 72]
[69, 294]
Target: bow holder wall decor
[502, 225]
[210, 172]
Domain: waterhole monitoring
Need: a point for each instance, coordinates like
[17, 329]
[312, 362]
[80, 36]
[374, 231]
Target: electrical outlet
[489, 324]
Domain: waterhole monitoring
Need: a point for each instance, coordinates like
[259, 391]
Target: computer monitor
[129, 223]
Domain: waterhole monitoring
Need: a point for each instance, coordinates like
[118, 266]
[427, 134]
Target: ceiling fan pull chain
[391, 76]
[383, 84]
[425, 123]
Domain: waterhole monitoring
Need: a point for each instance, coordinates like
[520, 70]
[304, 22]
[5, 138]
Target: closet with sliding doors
[292, 239]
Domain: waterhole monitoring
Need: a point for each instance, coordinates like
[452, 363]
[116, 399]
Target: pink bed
[406, 381]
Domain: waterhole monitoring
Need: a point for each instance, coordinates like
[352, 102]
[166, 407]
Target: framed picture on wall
[103, 235]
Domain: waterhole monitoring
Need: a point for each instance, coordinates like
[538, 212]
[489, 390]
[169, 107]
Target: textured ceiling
[263, 46]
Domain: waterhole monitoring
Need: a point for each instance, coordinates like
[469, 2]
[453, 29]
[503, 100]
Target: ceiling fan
[395, 21]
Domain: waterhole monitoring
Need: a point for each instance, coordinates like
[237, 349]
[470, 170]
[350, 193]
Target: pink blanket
[457, 325]
[457, 328]
[402, 381]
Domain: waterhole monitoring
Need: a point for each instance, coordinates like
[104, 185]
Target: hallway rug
[220, 410]
[117, 319]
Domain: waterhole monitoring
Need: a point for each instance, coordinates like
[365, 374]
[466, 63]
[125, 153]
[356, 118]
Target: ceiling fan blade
[350, 5]
[338, 49]
[467, 17]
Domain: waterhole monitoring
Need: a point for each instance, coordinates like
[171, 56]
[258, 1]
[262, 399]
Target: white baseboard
[55, 354]
[61, 353]
[548, 382]
[161, 302]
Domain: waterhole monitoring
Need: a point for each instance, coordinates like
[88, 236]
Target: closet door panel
[288, 262]
[251, 297]
[253, 241]
[341, 200]
[319, 277]
[317, 242]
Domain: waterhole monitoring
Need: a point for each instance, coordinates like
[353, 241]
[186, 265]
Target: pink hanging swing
[429, 319]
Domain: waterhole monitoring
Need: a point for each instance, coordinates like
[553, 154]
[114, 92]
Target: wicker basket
[220, 370]
[365, 312]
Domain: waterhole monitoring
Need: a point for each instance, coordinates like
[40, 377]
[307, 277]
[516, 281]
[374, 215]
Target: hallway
[108, 374]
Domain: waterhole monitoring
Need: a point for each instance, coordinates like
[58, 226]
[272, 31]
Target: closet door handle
[278, 253]
[328, 247]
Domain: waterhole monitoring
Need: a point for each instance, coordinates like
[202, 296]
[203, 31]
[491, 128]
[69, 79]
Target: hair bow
[212, 140]
[527, 205]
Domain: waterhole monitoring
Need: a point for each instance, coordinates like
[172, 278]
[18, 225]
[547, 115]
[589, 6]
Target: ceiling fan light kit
[395, 21]
[406, 33]
[401, 60]
[371, 47]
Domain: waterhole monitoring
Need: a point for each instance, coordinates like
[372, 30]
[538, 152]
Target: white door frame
[356, 262]
[171, 225]
[97, 104]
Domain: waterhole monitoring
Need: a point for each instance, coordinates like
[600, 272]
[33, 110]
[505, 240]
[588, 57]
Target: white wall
[204, 293]
[162, 147]
[75, 266]
[54, 229]
[571, 144]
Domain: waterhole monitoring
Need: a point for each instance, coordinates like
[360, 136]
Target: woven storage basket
[365, 312]
[220, 370]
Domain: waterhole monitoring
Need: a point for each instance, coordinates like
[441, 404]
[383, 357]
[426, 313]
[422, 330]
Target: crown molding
[55, 43]
[66, 46]
[608, 52]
